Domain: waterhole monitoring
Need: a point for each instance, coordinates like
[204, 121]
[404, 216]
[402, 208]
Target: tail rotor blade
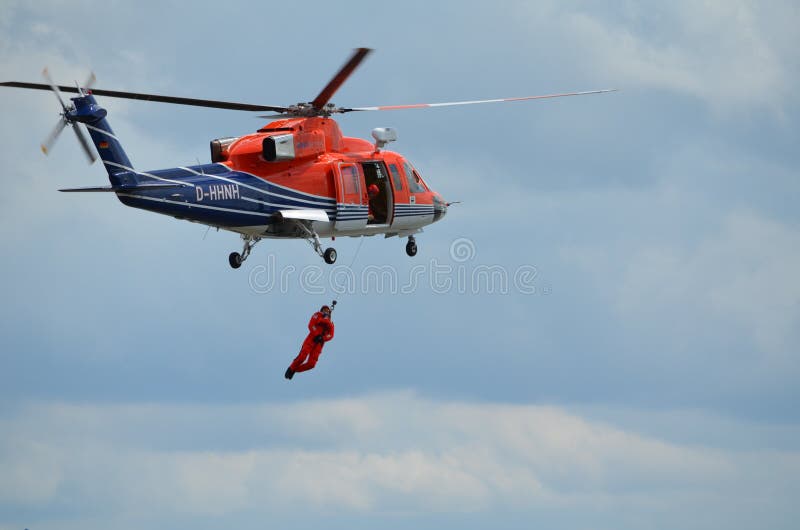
[86, 86]
[84, 143]
[51, 139]
[54, 88]
[89, 83]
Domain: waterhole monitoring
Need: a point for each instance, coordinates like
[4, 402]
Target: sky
[604, 333]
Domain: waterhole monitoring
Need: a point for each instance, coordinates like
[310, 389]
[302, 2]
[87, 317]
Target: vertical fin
[116, 161]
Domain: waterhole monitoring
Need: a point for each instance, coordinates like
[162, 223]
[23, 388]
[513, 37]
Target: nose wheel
[411, 246]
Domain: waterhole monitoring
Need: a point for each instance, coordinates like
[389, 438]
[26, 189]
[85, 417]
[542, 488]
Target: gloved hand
[319, 339]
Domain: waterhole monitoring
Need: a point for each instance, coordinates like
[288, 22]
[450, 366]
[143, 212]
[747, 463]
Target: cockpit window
[415, 184]
[396, 179]
[418, 179]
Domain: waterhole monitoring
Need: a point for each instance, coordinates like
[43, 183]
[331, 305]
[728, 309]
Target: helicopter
[296, 177]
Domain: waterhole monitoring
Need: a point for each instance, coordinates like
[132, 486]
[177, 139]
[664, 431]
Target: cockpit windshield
[415, 182]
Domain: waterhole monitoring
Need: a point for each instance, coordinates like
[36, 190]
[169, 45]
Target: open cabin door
[351, 213]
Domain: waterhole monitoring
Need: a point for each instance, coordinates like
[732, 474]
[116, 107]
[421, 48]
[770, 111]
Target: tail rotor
[84, 143]
[54, 88]
[51, 139]
[65, 120]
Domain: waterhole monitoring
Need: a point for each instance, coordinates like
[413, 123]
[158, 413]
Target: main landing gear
[411, 246]
[235, 259]
[329, 254]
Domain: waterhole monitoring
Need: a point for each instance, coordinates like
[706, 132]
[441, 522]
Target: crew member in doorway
[320, 331]
[372, 192]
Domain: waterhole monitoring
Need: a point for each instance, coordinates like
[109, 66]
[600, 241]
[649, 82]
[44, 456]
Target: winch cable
[358, 249]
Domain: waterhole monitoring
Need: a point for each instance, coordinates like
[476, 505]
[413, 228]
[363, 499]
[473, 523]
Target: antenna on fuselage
[383, 135]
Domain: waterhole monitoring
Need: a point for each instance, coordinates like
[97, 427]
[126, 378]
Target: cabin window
[350, 180]
[397, 180]
[415, 184]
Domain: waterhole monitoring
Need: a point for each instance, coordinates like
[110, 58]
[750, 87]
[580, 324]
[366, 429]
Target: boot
[289, 373]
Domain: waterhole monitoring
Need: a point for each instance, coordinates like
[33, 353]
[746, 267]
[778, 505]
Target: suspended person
[320, 331]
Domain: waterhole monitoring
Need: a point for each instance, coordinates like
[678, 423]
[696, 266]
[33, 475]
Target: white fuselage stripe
[126, 168]
[101, 131]
[223, 179]
[423, 219]
[283, 206]
[193, 205]
[310, 195]
[314, 202]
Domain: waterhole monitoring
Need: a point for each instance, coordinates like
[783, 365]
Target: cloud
[731, 55]
[374, 454]
[740, 275]
[30, 471]
[724, 293]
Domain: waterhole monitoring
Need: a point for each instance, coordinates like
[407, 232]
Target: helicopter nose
[439, 207]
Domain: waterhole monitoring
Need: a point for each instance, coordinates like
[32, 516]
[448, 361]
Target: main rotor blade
[84, 143]
[341, 76]
[51, 139]
[52, 86]
[453, 103]
[153, 97]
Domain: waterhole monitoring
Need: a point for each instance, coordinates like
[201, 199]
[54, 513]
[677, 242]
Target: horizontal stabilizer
[140, 187]
[96, 188]
[305, 215]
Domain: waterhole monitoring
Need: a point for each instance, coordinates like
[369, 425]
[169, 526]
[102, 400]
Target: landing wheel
[411, 248]
[236, 259]
[330, 256]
